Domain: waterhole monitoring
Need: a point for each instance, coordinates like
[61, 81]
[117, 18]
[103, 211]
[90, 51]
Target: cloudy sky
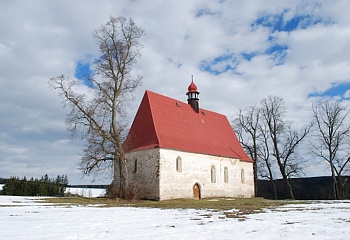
[238, 51]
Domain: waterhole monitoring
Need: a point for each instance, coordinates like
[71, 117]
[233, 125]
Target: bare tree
[249, 123]
[253, 136]
[98, 115]
[332, 139]
[284, 140]
[264, 132]
[265, 167]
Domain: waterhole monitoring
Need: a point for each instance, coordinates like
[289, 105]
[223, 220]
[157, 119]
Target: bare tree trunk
[255, 171]
[335, 183]
[289, 187]
[272, 182]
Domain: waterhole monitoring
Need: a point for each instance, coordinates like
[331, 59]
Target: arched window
[213, 174]
[225, 175]
[242, 176]
[179, 164]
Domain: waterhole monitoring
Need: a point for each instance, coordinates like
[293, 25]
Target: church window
[135, 166]
[242, 176]
[213, 174]
[179, 164]
[225, 175]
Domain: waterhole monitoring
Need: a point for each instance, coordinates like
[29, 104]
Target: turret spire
[192, 96]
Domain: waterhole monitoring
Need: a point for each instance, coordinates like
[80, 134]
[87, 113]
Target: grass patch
[232, 208]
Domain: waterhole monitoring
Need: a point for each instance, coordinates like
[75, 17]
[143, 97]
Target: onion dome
[192, 87]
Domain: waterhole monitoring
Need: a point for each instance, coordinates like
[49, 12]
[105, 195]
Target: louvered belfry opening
[192, 96]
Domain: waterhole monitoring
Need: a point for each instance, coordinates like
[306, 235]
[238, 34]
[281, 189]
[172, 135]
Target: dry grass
[233, 208]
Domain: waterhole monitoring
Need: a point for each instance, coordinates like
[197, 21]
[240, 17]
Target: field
[97, 218]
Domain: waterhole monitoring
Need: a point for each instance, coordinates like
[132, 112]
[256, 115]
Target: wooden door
[196, 191]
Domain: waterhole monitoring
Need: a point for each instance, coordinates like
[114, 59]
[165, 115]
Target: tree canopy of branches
[98, 113]
[271, 141]
[332, 143]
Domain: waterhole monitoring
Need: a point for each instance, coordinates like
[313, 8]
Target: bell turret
[192, 96]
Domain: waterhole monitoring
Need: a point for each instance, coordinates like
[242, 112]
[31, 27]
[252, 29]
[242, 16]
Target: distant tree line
[310, 188]
[2, 181]
[44, 186]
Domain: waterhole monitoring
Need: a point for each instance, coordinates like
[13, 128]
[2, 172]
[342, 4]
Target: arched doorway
[196, 191]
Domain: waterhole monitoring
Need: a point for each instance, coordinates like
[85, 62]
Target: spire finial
[192, 78]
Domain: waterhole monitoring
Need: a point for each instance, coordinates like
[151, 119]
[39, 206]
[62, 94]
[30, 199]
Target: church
[179, 150]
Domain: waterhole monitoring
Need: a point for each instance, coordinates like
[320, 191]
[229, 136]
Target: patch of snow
[20, 201]
[316, 220]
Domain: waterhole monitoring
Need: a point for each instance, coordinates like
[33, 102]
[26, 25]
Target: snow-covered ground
[25, 218]
[87, 192]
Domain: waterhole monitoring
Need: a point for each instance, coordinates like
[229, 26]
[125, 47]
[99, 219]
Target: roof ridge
[200, 109]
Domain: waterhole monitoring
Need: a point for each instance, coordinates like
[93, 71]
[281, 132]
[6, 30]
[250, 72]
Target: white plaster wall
[156, 176]
[247, 189]
[196, 168]
[146, 177]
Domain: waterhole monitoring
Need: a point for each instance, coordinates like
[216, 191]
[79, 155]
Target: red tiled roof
[163, 122]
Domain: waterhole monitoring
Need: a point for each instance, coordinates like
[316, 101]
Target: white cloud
[347, 94]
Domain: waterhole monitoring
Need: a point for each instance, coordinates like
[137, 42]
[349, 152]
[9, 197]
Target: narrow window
[178, 164]
[242, 176]
[135, 166]
[213, 174]
[225, 175]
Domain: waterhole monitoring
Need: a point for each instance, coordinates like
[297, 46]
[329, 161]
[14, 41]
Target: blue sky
[220, 64]
[83, 72]
[336, 90]
[282, 21]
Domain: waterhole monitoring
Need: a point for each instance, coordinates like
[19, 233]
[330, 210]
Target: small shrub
[112, 191]
[130, 192]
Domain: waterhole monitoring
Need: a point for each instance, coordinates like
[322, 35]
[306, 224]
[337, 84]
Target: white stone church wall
[196, 168]
[158, 176]
[247, 187]
[145, 175]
